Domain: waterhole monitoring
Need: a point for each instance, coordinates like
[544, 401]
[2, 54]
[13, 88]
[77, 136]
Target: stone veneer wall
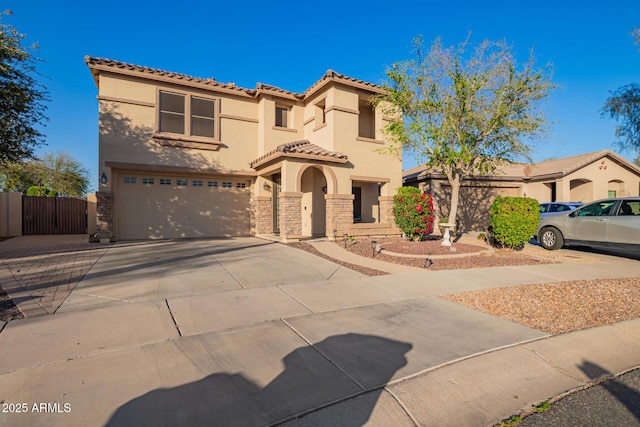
[386, 213]
[339, 208]
[104, 214]
[340, 218]
[263, 209]
[290, 215]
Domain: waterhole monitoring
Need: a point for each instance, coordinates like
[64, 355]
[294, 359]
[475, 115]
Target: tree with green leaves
[58, 173]
[624, 106]
[462, 111]
[21, 96]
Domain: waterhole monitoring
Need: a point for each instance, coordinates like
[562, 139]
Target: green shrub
[514, 220]
[413, 212]
[44, 191]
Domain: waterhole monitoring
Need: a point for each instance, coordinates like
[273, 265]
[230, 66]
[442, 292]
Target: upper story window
[202, 117]
[366, 119]
[320, 113]
[283, 114]
[171, 112]
[187, 115]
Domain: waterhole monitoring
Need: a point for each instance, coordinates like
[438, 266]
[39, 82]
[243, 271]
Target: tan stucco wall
[601, 173]
[10, 214]
[587, 184]
[128, 120]
[475, 200]
[92, 224]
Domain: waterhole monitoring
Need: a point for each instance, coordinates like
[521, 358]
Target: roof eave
[131, 71]
[278, 155]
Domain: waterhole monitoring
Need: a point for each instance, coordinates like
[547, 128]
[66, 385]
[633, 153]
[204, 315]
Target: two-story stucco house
[184, 157]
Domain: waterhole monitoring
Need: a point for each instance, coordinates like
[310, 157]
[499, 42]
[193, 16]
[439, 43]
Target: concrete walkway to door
[248, 332]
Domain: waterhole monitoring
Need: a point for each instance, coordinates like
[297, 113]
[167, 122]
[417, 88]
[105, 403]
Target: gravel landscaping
[8, 310]
[468, 254]
[559, 307]
[551, 307]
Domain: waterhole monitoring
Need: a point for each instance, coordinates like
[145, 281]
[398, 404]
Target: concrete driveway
[134, 272]
[247, 332]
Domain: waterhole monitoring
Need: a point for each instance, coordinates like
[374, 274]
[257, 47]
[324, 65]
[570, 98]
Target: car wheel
[551, 238]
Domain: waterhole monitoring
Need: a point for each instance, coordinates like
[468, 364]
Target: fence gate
[54, 215]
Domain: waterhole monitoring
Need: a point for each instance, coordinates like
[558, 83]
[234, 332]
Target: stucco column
[339, 213]
[290, 215]
[104, 215]
[263, 209]
[563, 190]
[10, 214]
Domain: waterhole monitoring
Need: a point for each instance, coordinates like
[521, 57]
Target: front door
[357, 204]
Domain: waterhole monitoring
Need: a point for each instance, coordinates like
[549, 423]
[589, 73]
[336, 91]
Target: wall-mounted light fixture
[374, 243]
[103, 178]
[266, 187]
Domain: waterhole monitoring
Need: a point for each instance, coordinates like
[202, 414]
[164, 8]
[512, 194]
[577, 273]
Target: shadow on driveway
[232, 399]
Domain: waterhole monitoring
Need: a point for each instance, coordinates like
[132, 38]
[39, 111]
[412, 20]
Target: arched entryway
[313, 186]
[581, 190]
[615, 188]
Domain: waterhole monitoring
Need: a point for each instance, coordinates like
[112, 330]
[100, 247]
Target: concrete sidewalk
[261, 347]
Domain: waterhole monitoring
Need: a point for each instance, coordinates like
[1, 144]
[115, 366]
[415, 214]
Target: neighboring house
[183, 157]
[581, 178]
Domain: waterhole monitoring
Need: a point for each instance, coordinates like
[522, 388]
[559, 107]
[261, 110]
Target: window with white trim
[165, 181]
[182, 182]
[129, 179]
[227, 184]
[212, 184]
[197, 183]
[148, 181]
[187, 115]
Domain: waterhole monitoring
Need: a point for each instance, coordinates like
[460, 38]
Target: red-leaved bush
[413, 212]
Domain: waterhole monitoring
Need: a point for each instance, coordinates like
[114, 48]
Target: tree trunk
[455, 194]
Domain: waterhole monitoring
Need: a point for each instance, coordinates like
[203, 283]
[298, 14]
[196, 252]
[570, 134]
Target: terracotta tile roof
[545, 169]
[302, 148]
[104, 63]
[93, 62]
[331, 75]
[261, 87]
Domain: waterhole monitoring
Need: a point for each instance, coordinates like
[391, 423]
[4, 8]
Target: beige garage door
[167, 207]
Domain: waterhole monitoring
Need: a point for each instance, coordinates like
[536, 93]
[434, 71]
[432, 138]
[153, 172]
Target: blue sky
[291, 44]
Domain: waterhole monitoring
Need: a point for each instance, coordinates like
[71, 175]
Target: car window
[629, 207]
[544, 208]
[602, 208]
[562, 208]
